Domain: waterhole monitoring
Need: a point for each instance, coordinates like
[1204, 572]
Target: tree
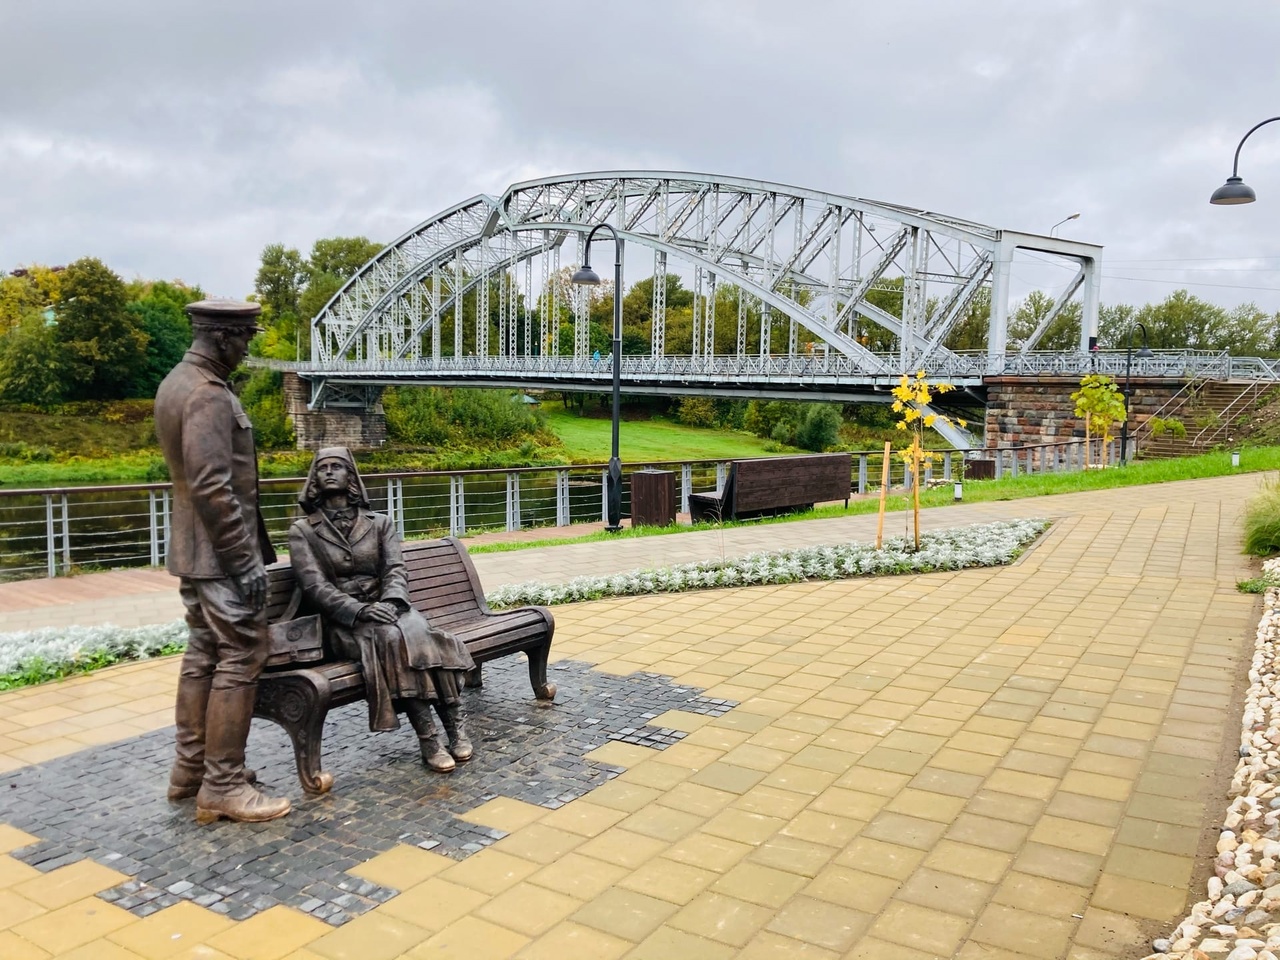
[29, 365]
[340, 257]
[1063, 333]
[159, 307]
[821, 427]
[1184, 321]
[912, 397]
[102, 345]
[1100, 403]
[279, 281]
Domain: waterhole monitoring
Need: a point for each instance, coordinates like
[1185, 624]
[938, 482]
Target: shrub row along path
[1025, 761]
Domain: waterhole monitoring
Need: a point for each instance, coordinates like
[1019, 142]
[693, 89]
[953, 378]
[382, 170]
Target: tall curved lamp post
[1236, 190]
[1144, 353]
[1074, 216]
[585, 276]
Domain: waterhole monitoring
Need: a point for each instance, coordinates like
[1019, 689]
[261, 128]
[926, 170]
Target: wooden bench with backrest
[444, 587]
[768, 486]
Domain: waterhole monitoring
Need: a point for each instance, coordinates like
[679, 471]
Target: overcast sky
[175, 139]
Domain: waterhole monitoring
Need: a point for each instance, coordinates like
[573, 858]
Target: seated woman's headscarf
[311, 498]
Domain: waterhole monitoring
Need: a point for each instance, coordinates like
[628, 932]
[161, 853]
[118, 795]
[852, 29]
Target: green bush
[696, 412]
[1262, 521]
[262, 397]
[1172, 426]
[458, 418]
[821, 428]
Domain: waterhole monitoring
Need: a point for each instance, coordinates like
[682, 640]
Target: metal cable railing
[61, 530]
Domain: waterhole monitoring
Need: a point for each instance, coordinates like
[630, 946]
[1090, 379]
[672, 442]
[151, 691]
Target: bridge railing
[819, 366]
[61, 530]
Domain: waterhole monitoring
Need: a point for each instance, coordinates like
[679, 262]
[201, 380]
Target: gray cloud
[176, 139]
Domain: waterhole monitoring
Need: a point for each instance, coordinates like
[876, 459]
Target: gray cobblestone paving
[108, 803]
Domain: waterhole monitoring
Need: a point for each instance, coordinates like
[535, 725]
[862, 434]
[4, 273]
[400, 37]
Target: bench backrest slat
[760, 484]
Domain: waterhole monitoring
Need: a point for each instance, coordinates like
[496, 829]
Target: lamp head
[1144, 353]
[1235, 190]
[585, 276]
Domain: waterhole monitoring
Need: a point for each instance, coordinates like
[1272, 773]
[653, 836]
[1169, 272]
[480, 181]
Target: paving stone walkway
[1002, 763]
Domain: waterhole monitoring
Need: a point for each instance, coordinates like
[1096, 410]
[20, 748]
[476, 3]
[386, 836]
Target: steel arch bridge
[782, 280]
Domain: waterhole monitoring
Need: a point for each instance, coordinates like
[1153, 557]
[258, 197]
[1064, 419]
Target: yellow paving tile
[625, 914]
[14, 909]
[622, 847]
[469, 938]
[170, 931]
[920, 928]
[374, 936]
[539, 844]
[503, 813]
[572, 941]
[766, 945]
[402, 867]
[1139, 898]
[74, 924]
[821, 923]
[15, 871]
[14, 947]
[946, 892]
[66, 884]
[498, 867]
[12, 838]
[666, 943]
[1030, 934]
[583, 817]
[270, 935]
[528, 909]
[722, 918]
[615, 753]
[579, 876]
[430, 906]
[669, 880]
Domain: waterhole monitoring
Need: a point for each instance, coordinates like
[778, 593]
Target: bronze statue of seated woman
[347, 561]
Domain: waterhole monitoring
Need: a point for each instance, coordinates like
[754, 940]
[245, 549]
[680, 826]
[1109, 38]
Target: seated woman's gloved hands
[385, 612]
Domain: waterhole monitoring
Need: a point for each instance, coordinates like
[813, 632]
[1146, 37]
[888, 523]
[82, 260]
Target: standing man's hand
[252, 586]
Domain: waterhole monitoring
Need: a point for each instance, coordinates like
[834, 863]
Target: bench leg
[300, 709]
[538, 672]
[475, 678]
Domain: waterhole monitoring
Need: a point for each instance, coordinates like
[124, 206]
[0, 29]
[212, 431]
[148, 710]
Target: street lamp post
[1074, 216]
[1235, 190]
[1144, 353]
[585, 276]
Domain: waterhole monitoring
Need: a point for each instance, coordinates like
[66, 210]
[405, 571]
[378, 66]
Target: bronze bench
[443, 585]
[774, 485]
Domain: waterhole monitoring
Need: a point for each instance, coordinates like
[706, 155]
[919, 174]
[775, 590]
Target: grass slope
[588, 439]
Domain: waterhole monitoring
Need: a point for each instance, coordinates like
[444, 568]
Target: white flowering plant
[34, 656]
[980, 545]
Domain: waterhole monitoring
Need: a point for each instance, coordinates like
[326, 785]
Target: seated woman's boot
[454, 718]
[434, 755]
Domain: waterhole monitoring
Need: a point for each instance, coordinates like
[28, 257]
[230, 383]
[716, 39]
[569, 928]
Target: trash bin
[653, 498]
[980, 469]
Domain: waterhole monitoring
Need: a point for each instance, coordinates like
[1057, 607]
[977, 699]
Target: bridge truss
[788, 287]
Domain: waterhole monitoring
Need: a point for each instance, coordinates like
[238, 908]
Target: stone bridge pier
[348, 416]
[1030, 410]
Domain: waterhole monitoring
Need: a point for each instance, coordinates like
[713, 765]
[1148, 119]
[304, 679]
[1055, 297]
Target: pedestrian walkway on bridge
[1008, 763]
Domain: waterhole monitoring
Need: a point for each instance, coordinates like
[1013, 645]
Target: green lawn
[587, 439]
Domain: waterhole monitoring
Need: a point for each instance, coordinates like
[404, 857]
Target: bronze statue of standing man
[218, 546]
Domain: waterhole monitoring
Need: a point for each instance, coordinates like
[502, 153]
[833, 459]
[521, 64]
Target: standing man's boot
[188, 768]
[189, 713]
[454, 718]
[225, 791]
[434, 755]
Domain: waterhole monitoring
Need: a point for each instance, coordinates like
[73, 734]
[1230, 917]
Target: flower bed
[35, 656]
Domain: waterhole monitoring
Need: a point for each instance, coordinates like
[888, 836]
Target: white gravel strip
[1239, 919]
